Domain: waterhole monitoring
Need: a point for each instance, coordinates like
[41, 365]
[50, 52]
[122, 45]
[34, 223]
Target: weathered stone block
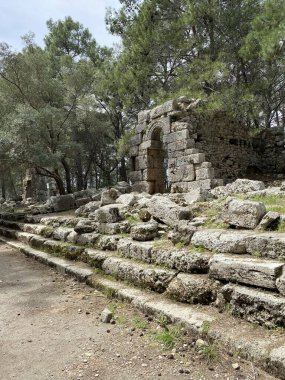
[221, 241]
[206, 165]
[192, 289]
[144, 231]
[135, 176]
[162, 110]
[108, 214]
[245, 214]
[109, 228]
[86, 226]
[256, 306]
[136, 139]
[109, 196]
[197, 158]
[142, 162]
[269, 221]
[141, 186]
[204, 173]
[127, 199]
[176, 136]
[179, 126]
[167, 211]
[134, 151]
[62, 202]
[248, 271]
[181, 145]
[144, 116]
[185, 172]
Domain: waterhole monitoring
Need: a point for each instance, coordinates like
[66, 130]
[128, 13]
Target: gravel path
[50, 328]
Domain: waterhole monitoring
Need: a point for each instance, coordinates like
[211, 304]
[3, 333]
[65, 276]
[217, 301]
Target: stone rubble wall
[175, 143]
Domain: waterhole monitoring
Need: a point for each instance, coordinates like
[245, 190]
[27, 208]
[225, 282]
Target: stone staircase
[228, 284]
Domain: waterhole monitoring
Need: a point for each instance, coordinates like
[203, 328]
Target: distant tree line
[68, 109]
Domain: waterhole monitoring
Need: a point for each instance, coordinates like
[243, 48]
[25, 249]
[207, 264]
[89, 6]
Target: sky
[18, 17]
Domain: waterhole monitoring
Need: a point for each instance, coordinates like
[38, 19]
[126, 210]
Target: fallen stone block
[144, 231]
[269, 221]
[86, 226]
[108, 214]
[109, 243]
[166, 211]
[61, 202]
[244, 214]
[109, 196]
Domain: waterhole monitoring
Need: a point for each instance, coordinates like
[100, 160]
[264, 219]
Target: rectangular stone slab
[246, 270]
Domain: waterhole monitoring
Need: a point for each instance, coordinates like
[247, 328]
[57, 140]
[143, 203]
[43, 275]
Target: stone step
[263, 244]
[168, 256]
[266, 348]
[163, 253]
[246, 270]
[59, 248]
[196, 289]
[254, 305]
[65, 234]
[190, 288]
[12, 216]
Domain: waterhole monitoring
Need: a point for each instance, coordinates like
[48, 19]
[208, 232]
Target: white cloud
[17, 17]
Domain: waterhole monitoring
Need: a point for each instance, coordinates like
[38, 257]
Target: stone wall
[270, 146]
[176, 146]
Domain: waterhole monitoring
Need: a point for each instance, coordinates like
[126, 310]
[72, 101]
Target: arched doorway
[157, 163]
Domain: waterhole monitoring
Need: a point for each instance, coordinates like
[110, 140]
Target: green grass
[209, 351]
[132, 219]
[168, 337]
[281, 226]
[140, 323]
[206, 327]
[197, 248]
[180, 244]
[271, 202]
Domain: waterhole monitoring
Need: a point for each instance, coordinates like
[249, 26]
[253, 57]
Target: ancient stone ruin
[180, 148]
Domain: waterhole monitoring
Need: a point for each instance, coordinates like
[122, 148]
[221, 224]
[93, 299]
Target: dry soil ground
[50, 328]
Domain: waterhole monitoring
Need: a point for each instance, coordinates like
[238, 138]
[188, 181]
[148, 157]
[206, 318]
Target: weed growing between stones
[209, 351]
[205, 327]
[180, 244]
[133, 220]
[168, 336]
[281, 226]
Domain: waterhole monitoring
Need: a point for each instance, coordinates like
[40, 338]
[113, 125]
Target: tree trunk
[67, 175]
[59, 182]
[3, 188]
[79, 173]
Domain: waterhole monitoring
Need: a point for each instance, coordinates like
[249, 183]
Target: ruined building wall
[187, 149]
[270, 147]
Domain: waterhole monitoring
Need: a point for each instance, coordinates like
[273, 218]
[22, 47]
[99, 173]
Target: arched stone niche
[156, 158]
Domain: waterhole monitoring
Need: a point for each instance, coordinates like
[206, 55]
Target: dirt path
[50, 328]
